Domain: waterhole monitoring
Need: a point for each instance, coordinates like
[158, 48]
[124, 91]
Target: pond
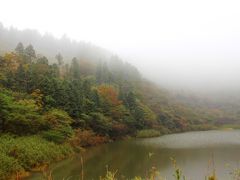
[196, 153]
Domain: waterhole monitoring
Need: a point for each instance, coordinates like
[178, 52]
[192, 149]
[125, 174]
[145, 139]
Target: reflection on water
[192, 150]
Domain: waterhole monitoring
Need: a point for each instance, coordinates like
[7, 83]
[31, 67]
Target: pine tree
[74, 70]
[30, 53]
[20, 48]
[59, 59]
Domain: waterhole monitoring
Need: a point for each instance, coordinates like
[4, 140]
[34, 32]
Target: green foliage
[147, 133]
[24, 153]
[8, 166]
[24, 118]
[30, 52]
[108, 97]
[57, 122]
[59, 135]
[100, 123]
[20, 48]
[19, 117]
[56, 118]
[111, 101]
[59, 59]
[144, 116]
[109, 176]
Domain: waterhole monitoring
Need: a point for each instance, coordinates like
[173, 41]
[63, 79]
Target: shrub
[119, 130]
[162, 129]
[27, 152]
[57, 118]
[147, 133]
[58, 126]
[100, 123]
[8, 166]
[59, 135]
[19, 117]
[84, 138]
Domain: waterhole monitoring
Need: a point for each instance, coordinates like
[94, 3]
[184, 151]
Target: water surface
[195, 153]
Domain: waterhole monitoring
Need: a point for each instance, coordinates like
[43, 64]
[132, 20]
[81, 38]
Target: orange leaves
[109, 94]
[113, 106]
[85, 138]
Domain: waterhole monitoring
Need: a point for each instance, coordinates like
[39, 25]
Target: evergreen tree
[30, 53]
[59, 59]
[74, 69]
[20, 48]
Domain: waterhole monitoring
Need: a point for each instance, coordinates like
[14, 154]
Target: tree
[86, 67]
[59, 59]
[42, 60]
[20, 48]
[20, 79]
[56, 118]
[100, 123]
[143, 115]
[57, 125]
[19, 117]
[102, 73]
[111, 105]
[6, 104]
[74, 69]
[130, 100]
[110, 95]
[30, 53]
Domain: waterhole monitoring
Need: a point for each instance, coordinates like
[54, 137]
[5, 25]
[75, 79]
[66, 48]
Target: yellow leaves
[12, 61]
[10, 56]
[26, 67]
[29, 103]
[38, 96]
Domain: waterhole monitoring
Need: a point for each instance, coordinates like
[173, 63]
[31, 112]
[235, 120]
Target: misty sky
[183, 43]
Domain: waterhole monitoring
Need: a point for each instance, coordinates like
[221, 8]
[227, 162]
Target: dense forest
[90, 98]
[112, 101]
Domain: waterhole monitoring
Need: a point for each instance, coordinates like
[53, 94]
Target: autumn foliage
[85, 138]
[109, 94]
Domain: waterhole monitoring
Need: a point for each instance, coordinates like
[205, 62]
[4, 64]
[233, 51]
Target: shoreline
[43, 167]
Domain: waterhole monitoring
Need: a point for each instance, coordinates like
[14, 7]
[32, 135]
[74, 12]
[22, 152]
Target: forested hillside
[95, 88]
[109, 98]
[65, 103]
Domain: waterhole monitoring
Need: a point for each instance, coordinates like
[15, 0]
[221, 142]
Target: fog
[182, 45]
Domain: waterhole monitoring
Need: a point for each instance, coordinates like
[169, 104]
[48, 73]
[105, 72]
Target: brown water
[192, 150]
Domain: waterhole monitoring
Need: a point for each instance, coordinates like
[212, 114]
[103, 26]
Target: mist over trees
[48, 45]
[88, 66]
[66, 95]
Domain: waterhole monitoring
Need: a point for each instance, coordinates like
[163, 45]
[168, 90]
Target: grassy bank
[21, 154]
[148, 133]
[229, 126]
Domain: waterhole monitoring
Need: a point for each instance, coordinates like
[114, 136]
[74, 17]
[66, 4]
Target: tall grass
[24, 153]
